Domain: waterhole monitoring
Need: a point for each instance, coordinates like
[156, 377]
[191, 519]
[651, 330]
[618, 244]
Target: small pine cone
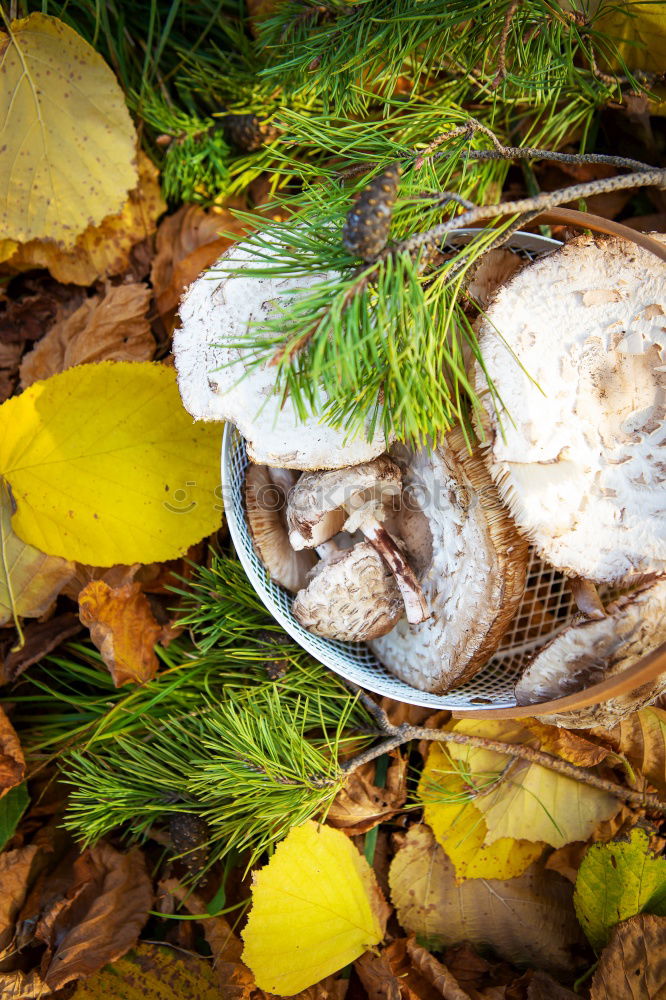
[248, 132]
[189, 835]
[366, 229]
[275, 666]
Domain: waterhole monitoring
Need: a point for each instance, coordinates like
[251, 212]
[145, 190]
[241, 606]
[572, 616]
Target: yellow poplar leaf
[461, 829]
[29, 580]
[638, 29]
[314, 910]
[531, 802]
[100, 250]
[106, 466]
[67, 140]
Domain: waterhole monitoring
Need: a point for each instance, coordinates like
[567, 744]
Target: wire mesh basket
[547, 605]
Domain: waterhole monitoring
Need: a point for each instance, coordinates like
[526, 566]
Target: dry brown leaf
[112, 327]
[361, 805]
[123, 628]
[12, 761]
[437, 974]
[633, 965]
[16, 870]
[537, 985]
[40, 638]
[568, 745]
[479, 977]
[641, 738]
[188, 242]
[399, 712]
[100, 251]
[378, 979]
[528, 919]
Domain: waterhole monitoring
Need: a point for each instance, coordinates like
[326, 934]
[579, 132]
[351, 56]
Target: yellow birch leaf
[314, 910]
[29, 580]
[67, 141]
[638, 29]
[531, 802]
[106, 467]
[99, 250]
[461, 829]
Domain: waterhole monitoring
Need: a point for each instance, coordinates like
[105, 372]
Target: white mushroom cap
[575, 345]
[472, 569]
[588, 652]
[265, 504]
[352, 597]
[220, 382]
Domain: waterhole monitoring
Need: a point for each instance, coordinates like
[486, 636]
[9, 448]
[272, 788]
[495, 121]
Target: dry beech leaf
[461, 829]
[639, 31]
[123, 628]
[16, 870]
[12, 761]
[361, 805]
[152, 972]
[641, 738]
[616, 881]
[531, 802]
[30, 580]
[106, 466]
[101, 250]
[568, 744]
[67, 143]
[335, 911]
[188, 242]
[526, 919]
[112, 327]
[633, 966]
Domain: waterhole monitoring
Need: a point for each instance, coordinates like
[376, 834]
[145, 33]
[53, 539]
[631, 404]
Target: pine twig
[396, 736]
[504, 37]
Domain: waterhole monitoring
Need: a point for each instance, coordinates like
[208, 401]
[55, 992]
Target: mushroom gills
[352, 596]
[589, 651]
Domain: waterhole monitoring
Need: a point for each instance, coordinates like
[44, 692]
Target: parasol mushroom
[470, 561]
[575, 346]
[265, 502]
[323, 503]
[219, 381]
[352, 596]
[588, 652]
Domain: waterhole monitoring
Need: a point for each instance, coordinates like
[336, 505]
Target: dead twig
[504, 37]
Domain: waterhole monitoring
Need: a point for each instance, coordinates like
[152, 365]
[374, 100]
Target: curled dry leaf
[110, 327]
[188, 242]
[568, 745]
[360, 804]
[460, 827]
[526, 919]
[533, 802]
[67, 141]
[641, 738]
[633, 966]
[30, 580]
[12, 761]
[435, 972]
[123, 628]
[101, 250]
[538, 985]
[40, 639]
[17, 869]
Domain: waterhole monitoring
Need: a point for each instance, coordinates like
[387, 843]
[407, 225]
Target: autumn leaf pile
[439, 870]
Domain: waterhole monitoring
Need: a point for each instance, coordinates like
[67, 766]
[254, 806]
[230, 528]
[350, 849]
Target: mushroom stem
[416, 607]
[587, 598]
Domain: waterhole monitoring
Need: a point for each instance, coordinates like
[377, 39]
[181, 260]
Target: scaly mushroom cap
[575, 345]
[318, 502]
[470, 563]
[353, 597]
[265, 504]
[220, 382]
[588, 652]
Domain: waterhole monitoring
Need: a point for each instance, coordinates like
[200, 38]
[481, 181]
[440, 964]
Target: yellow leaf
[531, 802]
[461, 829]
[29, 580]
[67, 141]
[106, 466]
[638, 29]
[100, 250]
[313, 911]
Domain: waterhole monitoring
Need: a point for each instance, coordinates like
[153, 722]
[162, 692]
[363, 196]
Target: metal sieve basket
[546, 608]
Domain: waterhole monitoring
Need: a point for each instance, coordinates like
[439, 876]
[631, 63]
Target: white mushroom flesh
[352, 597]
[588, 652]
[575, 346]
[220, 382]
[472, 582]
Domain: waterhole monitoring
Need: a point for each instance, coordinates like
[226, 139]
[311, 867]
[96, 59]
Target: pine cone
[248, 132]
[189, 835]
[275, 666]
[366, 229]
